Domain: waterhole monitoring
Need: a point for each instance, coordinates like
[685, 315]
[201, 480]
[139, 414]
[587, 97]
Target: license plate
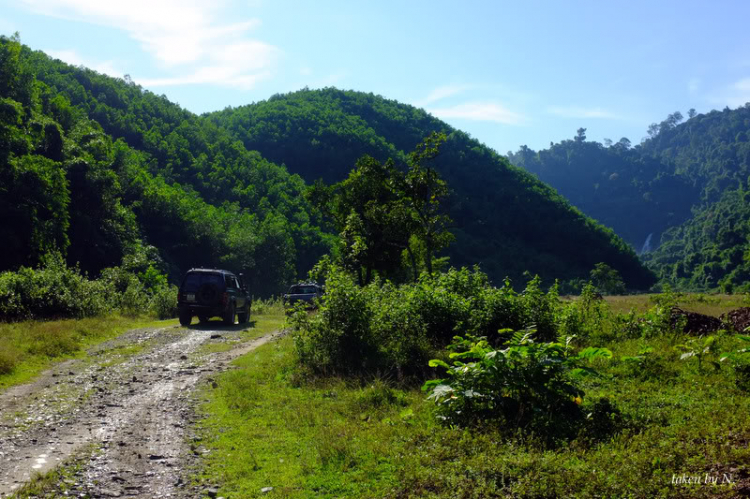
[190, 297]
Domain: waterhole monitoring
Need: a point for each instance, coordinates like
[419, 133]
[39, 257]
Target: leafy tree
[500, 214]
[424, 191]
[607, 280]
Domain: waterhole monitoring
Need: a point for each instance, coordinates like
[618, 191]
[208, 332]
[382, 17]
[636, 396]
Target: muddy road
[119, 420]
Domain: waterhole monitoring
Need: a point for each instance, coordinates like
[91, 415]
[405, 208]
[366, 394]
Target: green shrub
[339, 338]
[52, 290]
[525, 385]
[134, 300]
[541, 309]
[740, 361]
[496, 309]
[585, 318]
[396, 329]
[267, 306]
[164, 301]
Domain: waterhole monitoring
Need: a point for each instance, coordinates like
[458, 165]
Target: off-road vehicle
[210, 293]
[305, 292]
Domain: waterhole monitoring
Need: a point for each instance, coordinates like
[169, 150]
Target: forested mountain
[503, 218]
[683, 189]
[101, 169]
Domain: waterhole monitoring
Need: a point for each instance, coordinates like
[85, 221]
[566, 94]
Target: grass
[266, 424]
[28, 348]
[57, 482]
[708, 304]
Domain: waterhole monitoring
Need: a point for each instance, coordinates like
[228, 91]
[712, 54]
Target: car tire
[244, 316]
[185, 317]
[229, 316]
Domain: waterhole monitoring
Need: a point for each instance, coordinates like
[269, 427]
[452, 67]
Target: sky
[509, 73]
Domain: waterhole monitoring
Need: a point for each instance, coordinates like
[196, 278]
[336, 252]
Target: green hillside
[103, 170]
[683, 185]
[504, 219]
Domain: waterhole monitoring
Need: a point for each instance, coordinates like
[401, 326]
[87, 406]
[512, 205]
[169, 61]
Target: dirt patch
[136, 412]
[695, 323]
[739, 319]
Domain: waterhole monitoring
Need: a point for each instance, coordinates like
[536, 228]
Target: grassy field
[28, 348]
[682, 430]
[713, 305]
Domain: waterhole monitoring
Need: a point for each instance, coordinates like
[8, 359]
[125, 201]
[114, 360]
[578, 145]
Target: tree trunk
[413, 262]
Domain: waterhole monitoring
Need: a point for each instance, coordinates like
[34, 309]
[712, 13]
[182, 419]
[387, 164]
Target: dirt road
[125, 420]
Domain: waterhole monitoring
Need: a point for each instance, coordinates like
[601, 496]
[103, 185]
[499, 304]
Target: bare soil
[126, 420]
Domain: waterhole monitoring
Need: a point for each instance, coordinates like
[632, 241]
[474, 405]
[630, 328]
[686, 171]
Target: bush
[260, 306]
[339, 338]
[398, 328]
[52, 290]
[164, 302]
[57, 291]
[525, 385]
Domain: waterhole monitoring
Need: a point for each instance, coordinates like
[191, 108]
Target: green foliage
[394, 329]
[339, 338]
[585, 317]
[701, 349]
[607, 280]
[524, 385]
[386, 217]
[53, 290]
[164, 302]
[682, 191]
[94, 166]
[740, 361]
[502, 216]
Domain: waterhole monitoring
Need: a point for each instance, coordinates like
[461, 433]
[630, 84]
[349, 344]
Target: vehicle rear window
[303, 290]
[197, 279]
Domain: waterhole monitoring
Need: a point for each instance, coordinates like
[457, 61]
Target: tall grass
[28, 347]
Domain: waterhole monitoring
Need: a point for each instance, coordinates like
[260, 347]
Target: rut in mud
[125, 420]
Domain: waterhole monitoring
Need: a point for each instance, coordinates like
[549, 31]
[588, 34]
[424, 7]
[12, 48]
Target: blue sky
[509, 73]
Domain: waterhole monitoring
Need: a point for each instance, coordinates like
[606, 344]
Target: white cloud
[694, 84]
[443, 92]
[185, 36]
[581, 112]
[332, 79]
[733, 95]
[738, 93]
[480, 111]
[74, 58]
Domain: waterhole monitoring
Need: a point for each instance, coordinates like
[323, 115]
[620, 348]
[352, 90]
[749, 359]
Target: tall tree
[425, 190]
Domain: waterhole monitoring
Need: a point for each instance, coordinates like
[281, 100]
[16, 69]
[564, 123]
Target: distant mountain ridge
[684, 185]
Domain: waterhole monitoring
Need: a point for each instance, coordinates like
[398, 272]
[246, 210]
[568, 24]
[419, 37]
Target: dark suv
[213, 292]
